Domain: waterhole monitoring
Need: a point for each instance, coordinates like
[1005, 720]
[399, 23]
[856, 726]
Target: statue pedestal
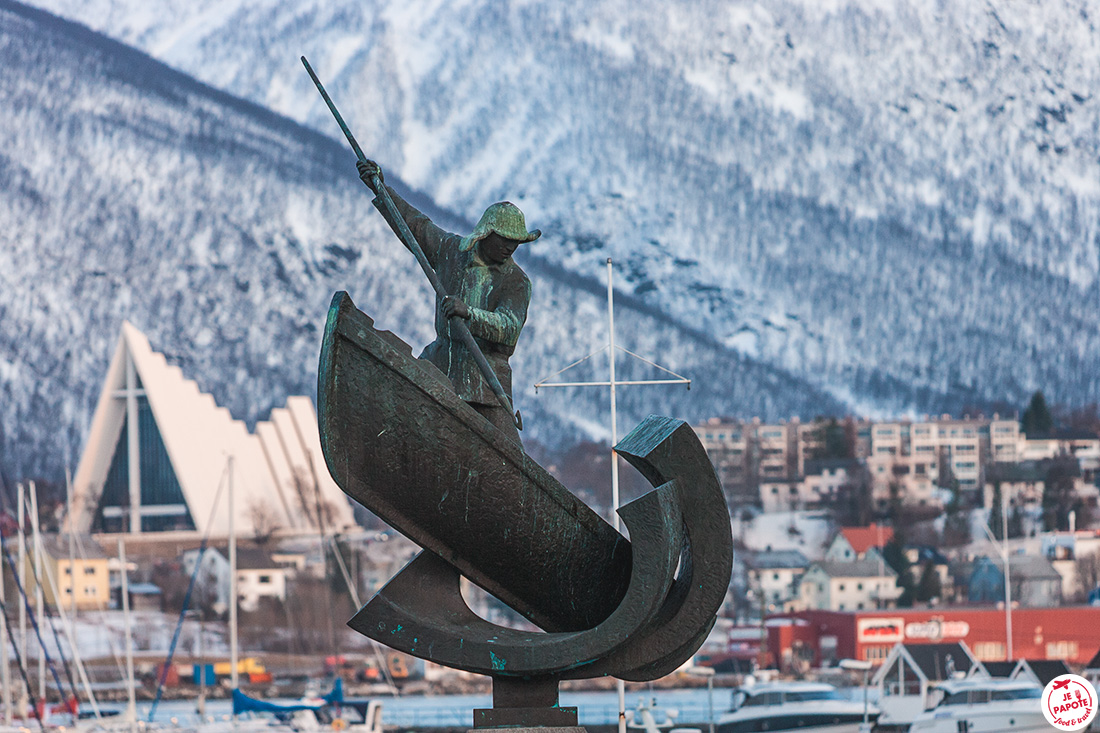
[526, 705]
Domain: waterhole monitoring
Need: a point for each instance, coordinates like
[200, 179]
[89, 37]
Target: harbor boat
[802, 706]
[332, 711]
[651, 718]
[984, 705]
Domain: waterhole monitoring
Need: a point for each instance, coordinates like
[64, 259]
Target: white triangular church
[159, 449]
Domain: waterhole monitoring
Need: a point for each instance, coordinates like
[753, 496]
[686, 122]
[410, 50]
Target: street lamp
[1003, 551]
[709, 673]
[860, 665]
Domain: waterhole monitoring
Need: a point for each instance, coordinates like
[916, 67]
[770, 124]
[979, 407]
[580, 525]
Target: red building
[818, 638]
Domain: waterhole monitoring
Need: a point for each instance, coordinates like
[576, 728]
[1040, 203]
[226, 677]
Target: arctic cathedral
[162, 456]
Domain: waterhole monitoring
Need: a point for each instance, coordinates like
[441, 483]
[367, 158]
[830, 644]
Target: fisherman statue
[421, 443]
[487, 289]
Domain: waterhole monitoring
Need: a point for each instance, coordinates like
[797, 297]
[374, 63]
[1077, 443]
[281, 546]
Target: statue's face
[495, 249]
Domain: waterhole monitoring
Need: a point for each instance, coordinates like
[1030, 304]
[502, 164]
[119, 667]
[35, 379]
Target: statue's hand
[367, 169]
[453, 306]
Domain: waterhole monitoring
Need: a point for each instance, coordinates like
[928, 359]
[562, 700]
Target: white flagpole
[612, 383]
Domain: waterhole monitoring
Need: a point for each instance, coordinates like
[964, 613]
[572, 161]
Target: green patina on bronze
[429, 445]
[504, 219]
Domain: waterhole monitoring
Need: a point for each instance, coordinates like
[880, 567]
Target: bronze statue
[408, 439]
[488, 289]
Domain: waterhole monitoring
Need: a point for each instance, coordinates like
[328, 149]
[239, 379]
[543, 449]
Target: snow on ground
[805, 531]
[102, 635]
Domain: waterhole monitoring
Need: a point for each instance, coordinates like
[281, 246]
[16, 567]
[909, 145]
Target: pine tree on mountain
[1016, 523]
[1059, 494]
[929, 586]
[834, 441]
[894, 554]
[1036, 419]
[996, 512]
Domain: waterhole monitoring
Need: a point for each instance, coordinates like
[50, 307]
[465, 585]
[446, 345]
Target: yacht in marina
[983, 705]
[803, 706]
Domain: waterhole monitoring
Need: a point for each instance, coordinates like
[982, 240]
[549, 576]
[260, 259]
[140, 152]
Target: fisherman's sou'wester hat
[504, 219]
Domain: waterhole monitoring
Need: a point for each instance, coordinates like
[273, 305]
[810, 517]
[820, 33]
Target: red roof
[864, 538]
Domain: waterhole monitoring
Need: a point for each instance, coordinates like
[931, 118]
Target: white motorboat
[984, 705]
[804, 706]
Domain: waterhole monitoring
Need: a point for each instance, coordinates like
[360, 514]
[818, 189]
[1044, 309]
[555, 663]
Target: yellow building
[86, 574]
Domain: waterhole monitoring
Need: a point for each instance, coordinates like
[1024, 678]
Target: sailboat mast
[131, 705]
[39, 601]
[233, 651]
[72, 546]
[5, 668]
[22, 501]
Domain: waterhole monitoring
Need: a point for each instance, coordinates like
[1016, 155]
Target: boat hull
[398, 440]
[1024, 716]
[817, 722]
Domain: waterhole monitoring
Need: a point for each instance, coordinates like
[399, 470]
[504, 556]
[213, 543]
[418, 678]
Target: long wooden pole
[401, 229]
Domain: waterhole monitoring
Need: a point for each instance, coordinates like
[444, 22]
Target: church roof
[278, 472]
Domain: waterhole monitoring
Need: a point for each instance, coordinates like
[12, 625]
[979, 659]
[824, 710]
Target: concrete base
[517, 718]
[563, 729]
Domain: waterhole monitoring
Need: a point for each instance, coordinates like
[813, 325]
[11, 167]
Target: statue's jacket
[497, 296]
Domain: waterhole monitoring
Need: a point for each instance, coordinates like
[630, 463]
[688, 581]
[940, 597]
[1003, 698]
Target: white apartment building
[773, 577]
[914, 475]
[772, 464]
[1005, 441]
[849, 586]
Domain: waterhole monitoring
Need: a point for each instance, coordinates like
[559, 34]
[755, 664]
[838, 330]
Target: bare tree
[265, 521]
[1088, 573]
[317, 510]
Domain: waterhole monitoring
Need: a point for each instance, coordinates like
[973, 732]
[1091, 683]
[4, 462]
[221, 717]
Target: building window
[840, 587]
[89, 570]
[265, 579]
[775, 576]
[89, 590]
[68, 570]
[989, 651]
[859, 586]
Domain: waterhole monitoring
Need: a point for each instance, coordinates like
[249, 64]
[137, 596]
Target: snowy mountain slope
[128, 190]
[892, 199]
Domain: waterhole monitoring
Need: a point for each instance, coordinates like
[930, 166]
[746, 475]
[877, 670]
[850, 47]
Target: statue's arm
[432, 238]
[502, 324]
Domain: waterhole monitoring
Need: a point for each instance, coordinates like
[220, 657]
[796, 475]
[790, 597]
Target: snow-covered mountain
[130, 191]
[897, 201]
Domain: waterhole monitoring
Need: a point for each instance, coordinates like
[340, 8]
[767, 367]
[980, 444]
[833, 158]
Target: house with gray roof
[1035, 582]
[775, 575]
[855, 585]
